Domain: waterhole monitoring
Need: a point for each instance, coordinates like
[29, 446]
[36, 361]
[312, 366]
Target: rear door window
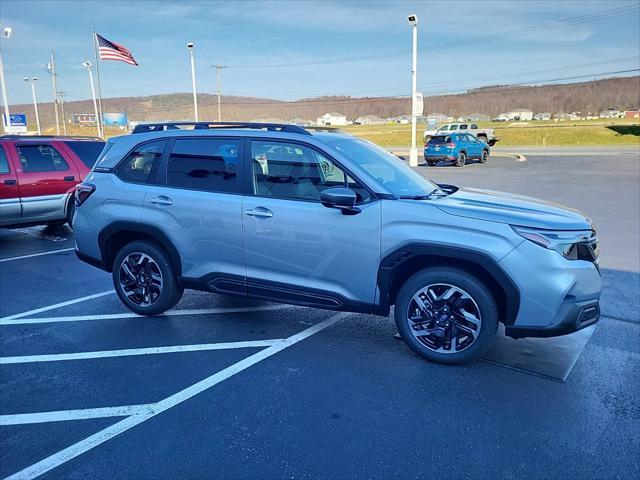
[41, 158]
[210, 164]
[4, 162]
[463, 126]
[87, 151]
[142, 163]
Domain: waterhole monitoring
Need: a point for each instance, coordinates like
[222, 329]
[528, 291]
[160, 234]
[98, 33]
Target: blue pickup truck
[456, 148]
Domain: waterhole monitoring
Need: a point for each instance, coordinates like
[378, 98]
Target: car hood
[512, 209]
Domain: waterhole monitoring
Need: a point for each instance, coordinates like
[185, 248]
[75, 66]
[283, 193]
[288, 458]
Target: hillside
[592, 96]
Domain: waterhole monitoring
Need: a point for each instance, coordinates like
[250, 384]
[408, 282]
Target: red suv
[38, 176]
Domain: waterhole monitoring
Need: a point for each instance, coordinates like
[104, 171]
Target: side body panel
[10, 208]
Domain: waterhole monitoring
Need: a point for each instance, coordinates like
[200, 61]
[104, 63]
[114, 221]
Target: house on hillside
[438, 117]
[332, 118]
[520, 114]
[542, 116]
[611, 113]
[632, 113]
[301, 122]
[369, 120]
[477, 117]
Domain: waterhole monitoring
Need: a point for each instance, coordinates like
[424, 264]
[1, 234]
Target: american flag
[113, 51]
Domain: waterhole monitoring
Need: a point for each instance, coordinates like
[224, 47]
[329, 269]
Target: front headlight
[571, 244]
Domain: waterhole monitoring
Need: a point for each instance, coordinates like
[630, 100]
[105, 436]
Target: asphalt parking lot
[224, 387]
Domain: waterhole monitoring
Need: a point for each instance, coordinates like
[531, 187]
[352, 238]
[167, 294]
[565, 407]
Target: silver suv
[327, 220]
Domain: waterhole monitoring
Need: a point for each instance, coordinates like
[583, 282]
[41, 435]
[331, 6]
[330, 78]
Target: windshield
[387, 169]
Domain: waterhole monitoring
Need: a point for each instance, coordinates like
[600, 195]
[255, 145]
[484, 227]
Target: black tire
[455, 278]
[170, 292]
[461, 160]
[483, 138]
[431, 163]
[71, 208]
[492, 143]
[484, 157]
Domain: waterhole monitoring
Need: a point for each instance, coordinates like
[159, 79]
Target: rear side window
[88, 152]
[474, 126]
[4, 162]
[439, 140]
[463, 126]
[41, 158]
[141, 165]
[209, 164]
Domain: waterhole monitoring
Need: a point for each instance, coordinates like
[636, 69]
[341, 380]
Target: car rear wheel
[484, 157]
[461, 160]
[144, 279]
[446, 315]
[431, 163]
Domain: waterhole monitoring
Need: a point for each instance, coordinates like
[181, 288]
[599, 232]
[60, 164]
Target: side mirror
[342, 198]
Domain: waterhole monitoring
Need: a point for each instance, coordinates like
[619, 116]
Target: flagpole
[97, 55]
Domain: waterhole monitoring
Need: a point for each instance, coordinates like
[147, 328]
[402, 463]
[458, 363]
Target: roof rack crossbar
[162, 126]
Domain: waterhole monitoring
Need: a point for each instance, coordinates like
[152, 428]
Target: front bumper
[557, 296]
[570, 318]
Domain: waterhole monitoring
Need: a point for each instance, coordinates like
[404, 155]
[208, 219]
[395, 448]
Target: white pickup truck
[484, 134]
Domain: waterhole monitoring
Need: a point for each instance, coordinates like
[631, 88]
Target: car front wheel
[144, 279]
[484, 157]
[446, 315]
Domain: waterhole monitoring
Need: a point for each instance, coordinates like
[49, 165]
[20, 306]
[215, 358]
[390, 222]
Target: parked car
[332, 221]
[38, 176]
[487, 135]
[457, 148]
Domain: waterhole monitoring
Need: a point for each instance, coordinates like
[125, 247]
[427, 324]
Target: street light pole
[6, 34]
[89, 67]
[413, 151]
[32, 82]
[193, 81]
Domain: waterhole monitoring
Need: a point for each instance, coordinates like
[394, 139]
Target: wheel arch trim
[393, 264]
[123, 227]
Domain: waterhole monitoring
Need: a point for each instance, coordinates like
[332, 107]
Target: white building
[332, 118]
[521, 114]
[369, 120]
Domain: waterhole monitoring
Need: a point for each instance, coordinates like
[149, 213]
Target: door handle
[10, 181]
[260, 212]
[161, 200]
[70, 178]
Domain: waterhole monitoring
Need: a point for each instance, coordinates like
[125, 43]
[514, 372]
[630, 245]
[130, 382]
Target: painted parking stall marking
[134, 414]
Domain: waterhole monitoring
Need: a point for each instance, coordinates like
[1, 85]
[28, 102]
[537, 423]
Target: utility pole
[6, 35]
[64, 119]
[89, 67]
[218, 88]
[193, 81]
[32, 82]
[51, 67]
[413, 151]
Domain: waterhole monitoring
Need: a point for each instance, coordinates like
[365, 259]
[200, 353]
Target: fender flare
[392, 263]
[155, 233]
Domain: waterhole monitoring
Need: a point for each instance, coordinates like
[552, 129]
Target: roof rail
[163, 126]
[46, 137]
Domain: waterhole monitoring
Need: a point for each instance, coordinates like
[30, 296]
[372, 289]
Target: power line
[471, 41]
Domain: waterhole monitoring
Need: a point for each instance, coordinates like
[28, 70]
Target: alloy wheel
[444, 318]
[140, 279]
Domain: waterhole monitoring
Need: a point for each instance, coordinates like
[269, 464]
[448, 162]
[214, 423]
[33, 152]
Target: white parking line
[36, 255]
[115, 316]
[80, 414]
[54, 306]
[108, 433]
[130, 352]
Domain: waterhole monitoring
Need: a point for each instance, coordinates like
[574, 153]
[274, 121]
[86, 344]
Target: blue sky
[297, 33]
